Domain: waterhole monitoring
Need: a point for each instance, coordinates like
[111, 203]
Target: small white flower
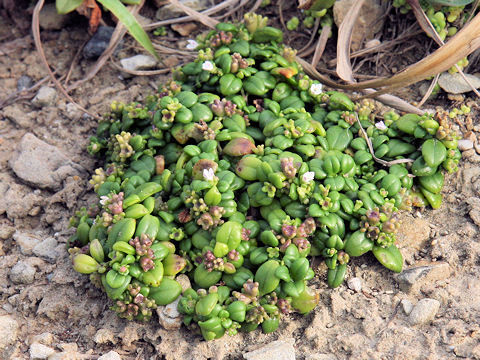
[308, 177]
[208, 174]
[207, 66]
[316, 89]
[104, 199]
[191, 44]
[380, 125]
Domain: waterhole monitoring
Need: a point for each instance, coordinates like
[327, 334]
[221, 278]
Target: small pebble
[424, 311]
[22, 273]
[39, 351]
[407, 306]
[46, 96]
[98, 43]
[464, 145]
[138, 62]
[24, 82]
[355, 284]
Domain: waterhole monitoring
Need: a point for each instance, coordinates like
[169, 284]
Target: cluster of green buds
[238, 171]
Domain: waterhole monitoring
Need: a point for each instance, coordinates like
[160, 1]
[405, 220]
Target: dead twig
[427, 26]
[307, 49]
[213, 10]
[321, 43]
[370, 148]
[429, 90]
[204, 19]
[38, 44]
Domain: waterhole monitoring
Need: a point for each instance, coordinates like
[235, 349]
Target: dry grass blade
[344, 68]
[429, 90]
[321, 43]
[38, 44]
[204, 19]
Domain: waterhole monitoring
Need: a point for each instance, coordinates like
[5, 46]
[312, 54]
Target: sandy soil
[369, 324]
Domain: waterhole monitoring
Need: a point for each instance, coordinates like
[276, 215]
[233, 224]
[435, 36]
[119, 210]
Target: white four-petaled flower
[316, 89]
[381, 125]
[104, 199]
[308, 177]
[208, 174]
[191, 44]
[207, 66]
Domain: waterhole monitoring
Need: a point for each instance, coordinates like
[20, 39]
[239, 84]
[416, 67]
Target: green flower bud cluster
[256, 170]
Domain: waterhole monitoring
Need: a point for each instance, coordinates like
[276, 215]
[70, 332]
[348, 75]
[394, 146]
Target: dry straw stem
[427, 26]
[459, 46]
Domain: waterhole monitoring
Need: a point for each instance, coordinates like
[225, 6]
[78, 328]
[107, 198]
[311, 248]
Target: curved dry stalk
[307, 49]
[460, 45]
[321, 43]
[370, 148]
[168, 50]
[256, 6]
[428, 27]
[344, 68]
[38, 45]
[23, 94]
[234, 9]
[117, 36]
[213, 10]
[204, 19]
[429, 90]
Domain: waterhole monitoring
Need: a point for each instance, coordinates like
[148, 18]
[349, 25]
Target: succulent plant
[254, 170]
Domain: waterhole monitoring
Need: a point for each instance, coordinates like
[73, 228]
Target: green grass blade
[132, 25]
[66, 6]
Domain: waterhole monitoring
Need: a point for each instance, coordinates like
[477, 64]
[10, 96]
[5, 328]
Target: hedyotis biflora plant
[238, 171]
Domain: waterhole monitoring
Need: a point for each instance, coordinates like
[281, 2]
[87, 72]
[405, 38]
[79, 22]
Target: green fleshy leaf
[129, 21]
[66, 6]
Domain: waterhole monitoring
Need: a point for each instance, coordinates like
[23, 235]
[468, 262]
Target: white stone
[112, 355]
[39, 351]
[464, 145]
[278, 350]
[8, 331]
[46, 96]
[355, 284]
[424, 311]
[138, 62]
[455, 84]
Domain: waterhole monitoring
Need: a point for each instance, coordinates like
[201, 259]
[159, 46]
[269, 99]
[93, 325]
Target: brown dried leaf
[344, 68]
